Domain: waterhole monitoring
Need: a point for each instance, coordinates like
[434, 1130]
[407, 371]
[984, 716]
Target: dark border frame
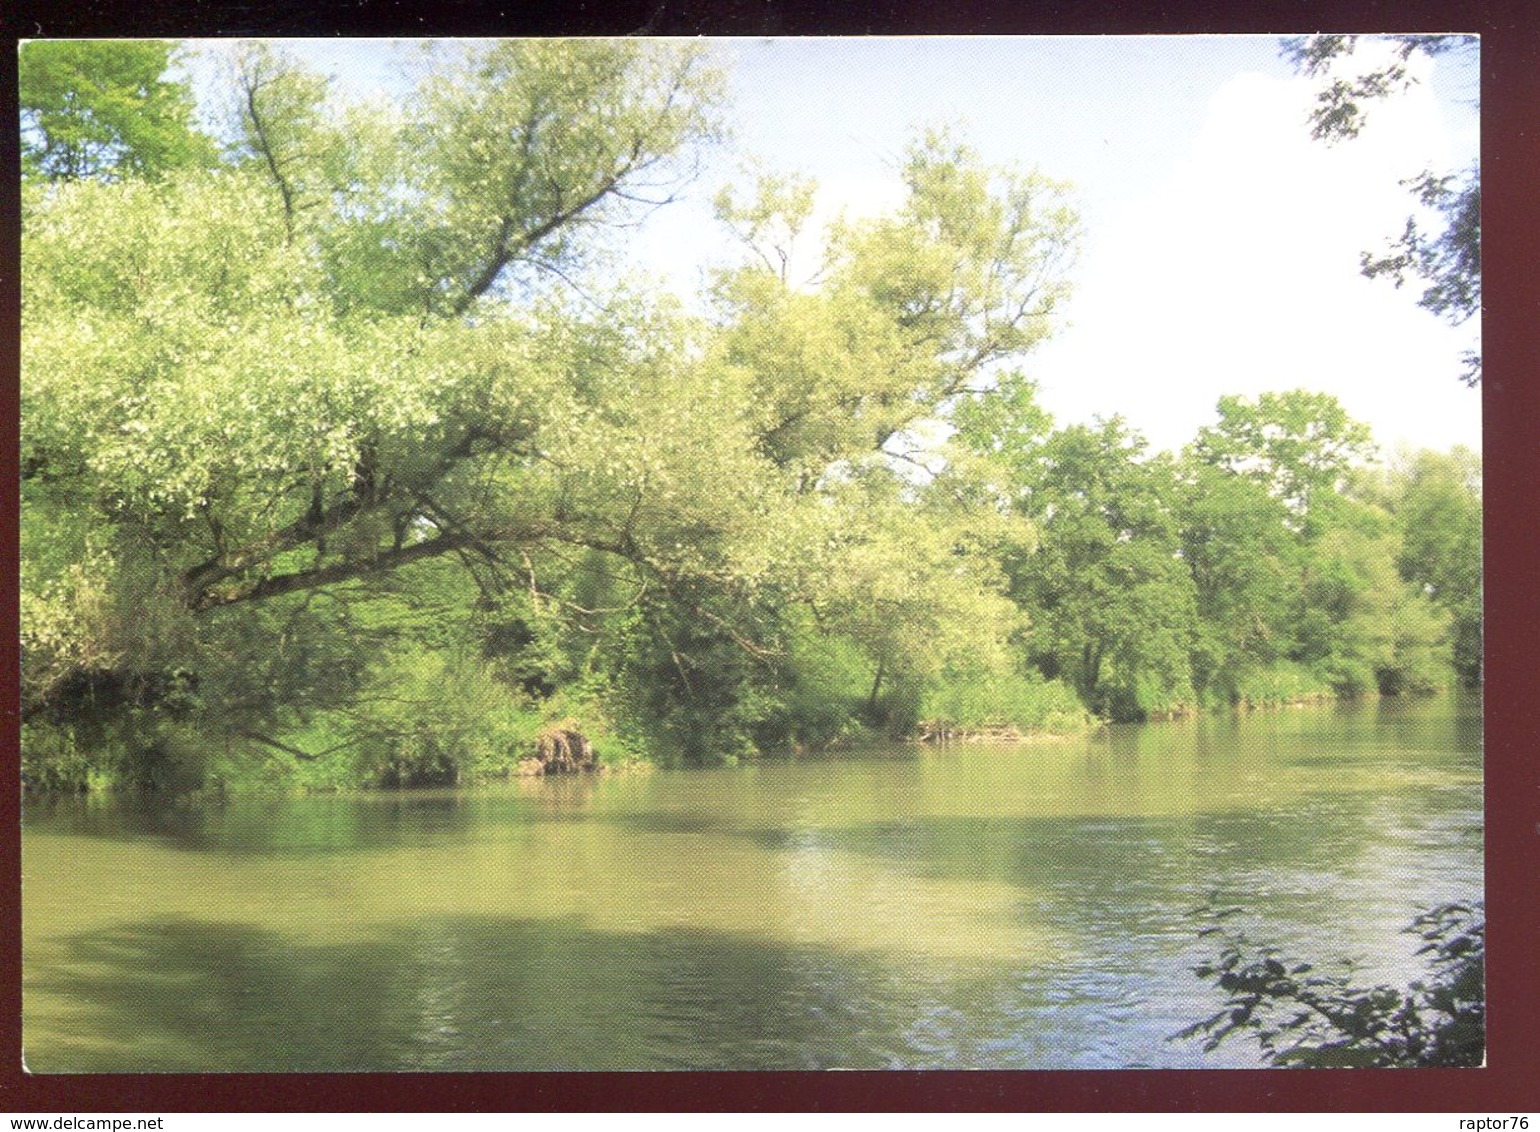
[1510, 81]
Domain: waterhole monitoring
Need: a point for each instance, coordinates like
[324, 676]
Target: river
[1026, 906]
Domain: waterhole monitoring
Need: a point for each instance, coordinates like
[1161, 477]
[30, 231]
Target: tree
[266, 405]
[906, 315]
[1349, 618]
[175, 450]
[1110, 600]
[913, 579]
[1297, 445]
[1295, 560]
[1436, 499]
[1244, 560]
[1357, 621]
[1442, 248]
[105, 110]
[908, 312]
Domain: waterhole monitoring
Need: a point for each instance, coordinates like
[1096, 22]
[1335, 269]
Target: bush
[1282, 682]
[438, 719]
[52, 761]
[1350, 677]
[819, 698]
[1158, 697]
[981, 700]
[1304, 1018]
[139, 749]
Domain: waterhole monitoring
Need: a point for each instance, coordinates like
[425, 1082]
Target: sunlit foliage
[351, 447]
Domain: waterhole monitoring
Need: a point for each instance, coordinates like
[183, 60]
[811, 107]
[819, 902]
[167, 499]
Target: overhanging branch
[336, 572]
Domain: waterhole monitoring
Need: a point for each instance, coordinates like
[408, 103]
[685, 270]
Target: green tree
[1357, 621]
[1243, 556]
[1295, 557]
[1436, 499]
[916, 584]
[909, 312]
[1298, 445]
[1110, 600]
[175, 451]
[105, 109]
[267, 404]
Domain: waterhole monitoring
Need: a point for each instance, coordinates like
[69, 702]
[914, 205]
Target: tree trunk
[561, 750]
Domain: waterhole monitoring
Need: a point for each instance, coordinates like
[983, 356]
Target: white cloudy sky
[1222, 243]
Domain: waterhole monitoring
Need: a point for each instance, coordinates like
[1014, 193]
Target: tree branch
[196, 580]
[336, 572]
[505, 248]
[251, 83]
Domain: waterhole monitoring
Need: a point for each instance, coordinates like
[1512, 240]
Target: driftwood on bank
[941, 732]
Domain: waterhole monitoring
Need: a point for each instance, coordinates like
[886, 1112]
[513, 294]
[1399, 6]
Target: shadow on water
[285, 826]
[1103, 851]
[509, 992]
[1178, 761]
[1316, 830]
[486, 993]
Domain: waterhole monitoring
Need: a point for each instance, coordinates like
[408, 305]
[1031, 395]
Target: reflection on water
[1020, 907]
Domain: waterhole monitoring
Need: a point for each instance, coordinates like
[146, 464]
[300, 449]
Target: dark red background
[1510, 55]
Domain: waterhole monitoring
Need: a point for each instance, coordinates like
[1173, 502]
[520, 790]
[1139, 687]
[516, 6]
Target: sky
[1222, 243]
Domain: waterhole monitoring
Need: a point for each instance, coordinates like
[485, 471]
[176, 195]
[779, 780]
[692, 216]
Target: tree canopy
[105, 110]
[345, 442]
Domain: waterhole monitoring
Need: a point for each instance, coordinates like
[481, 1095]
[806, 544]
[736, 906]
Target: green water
[1023, 907]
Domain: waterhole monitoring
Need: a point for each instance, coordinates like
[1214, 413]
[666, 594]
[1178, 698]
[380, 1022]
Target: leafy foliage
[349, 448]
[1437, 501]
[1450, 261]
[1447, 256]
[1261, 567]
[985, 701]
[1447, 259]
[265, 402]
[1297, 445]
[1244, 557]
[1113, 599]
[1302, 1017]
[105, 110]
[1340, 112]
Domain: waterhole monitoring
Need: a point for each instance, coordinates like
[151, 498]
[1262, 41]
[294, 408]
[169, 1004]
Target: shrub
[53, 761]
[438, 719]
[819, 697]
[1282, 682]
[973, 700]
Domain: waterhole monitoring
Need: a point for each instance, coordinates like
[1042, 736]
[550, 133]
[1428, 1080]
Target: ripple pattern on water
[1014, 908]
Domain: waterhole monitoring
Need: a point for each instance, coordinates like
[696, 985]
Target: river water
[971, 906]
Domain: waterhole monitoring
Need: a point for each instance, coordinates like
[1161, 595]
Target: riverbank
[194, 766]
[944, 733]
